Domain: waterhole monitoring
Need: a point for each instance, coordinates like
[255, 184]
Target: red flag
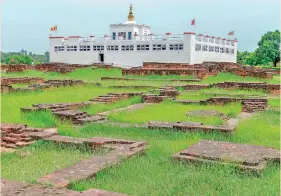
[54, 28]
[193, 22]
[231, 33]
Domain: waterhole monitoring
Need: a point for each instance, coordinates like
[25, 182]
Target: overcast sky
[26, 23]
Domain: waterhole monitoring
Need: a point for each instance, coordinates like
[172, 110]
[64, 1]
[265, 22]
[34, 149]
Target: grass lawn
[85, 74]
[174, 112]
[97, 108]
[42, 158]
[155, 172]
[11, 103]
[217, 92]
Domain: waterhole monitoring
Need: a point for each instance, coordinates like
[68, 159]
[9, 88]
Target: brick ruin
[115, 151]
[14, 188]
[41, 85]
[168, 92]
[153, 68]
[144, 79]
[23, 80]
[71, 112]
[262, 86]
[19, 135]
[248, 104]
[272, 88]
[198, 70]
[243, 156]
[50, 67]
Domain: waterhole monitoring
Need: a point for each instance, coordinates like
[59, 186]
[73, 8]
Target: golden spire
[131, 15]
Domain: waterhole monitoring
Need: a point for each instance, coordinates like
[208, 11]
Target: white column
[189, 46]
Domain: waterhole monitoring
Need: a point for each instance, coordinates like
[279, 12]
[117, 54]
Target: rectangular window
[143, 47]
[98, 48]
[71, 48]
[232, 51]
[222, 50]
[198, 47]
[205, 48]
[59, 48]
[176, 46]
[127, 47]
[159, 47]
[114, 35]
[211, 48]
[217, 49]
[227, 50]
[85, 48]
[123, 34]
[129, 35]
[217, 41]
[112, 48]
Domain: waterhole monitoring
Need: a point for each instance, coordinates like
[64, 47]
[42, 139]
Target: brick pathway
[118, 150]
[13, 188]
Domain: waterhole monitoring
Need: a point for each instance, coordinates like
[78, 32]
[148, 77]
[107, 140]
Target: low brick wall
[19, 135]
[17, 68]
[152, 98]
[249, 85]
[196, 86]
[6, 89]
[199, 73]
[24, 80]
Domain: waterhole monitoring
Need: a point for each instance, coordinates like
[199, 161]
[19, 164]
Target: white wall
[136, 58]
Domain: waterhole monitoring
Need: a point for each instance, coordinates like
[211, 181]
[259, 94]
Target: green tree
[251, 59]
[47, 55]
[268, 50]
[18, 59]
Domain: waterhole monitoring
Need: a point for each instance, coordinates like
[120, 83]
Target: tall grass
[42, 158]
[174, 112]
[97, 108]
[157, 174]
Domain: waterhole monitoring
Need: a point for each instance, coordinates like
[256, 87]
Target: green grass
[174, 112]
[97, 108]
[154, 173]
[157, 174]
[160, 77]
[40, 159]
[85, 74]
[217, 92]
[222, 77]
[12, 102]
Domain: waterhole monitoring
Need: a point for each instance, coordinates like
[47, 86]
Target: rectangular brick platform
[118, 150]
[19, 135]
[244, 156]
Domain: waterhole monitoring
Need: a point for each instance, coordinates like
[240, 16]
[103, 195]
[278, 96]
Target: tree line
[24, 57]
[267, 52]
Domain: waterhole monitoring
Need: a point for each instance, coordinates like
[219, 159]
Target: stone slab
[14, 188]
[244, 156]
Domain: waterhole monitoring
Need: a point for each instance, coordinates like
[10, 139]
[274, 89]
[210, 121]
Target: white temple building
[130, 44]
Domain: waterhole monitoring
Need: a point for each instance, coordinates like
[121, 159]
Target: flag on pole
[193, 22]
[54, 28]
[231, 33]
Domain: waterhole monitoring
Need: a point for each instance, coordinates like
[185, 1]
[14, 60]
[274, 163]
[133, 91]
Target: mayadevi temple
[130, 44]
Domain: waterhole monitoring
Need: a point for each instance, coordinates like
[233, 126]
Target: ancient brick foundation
[248, 85]
[24, 80]
[246, 157]
[19, 135]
